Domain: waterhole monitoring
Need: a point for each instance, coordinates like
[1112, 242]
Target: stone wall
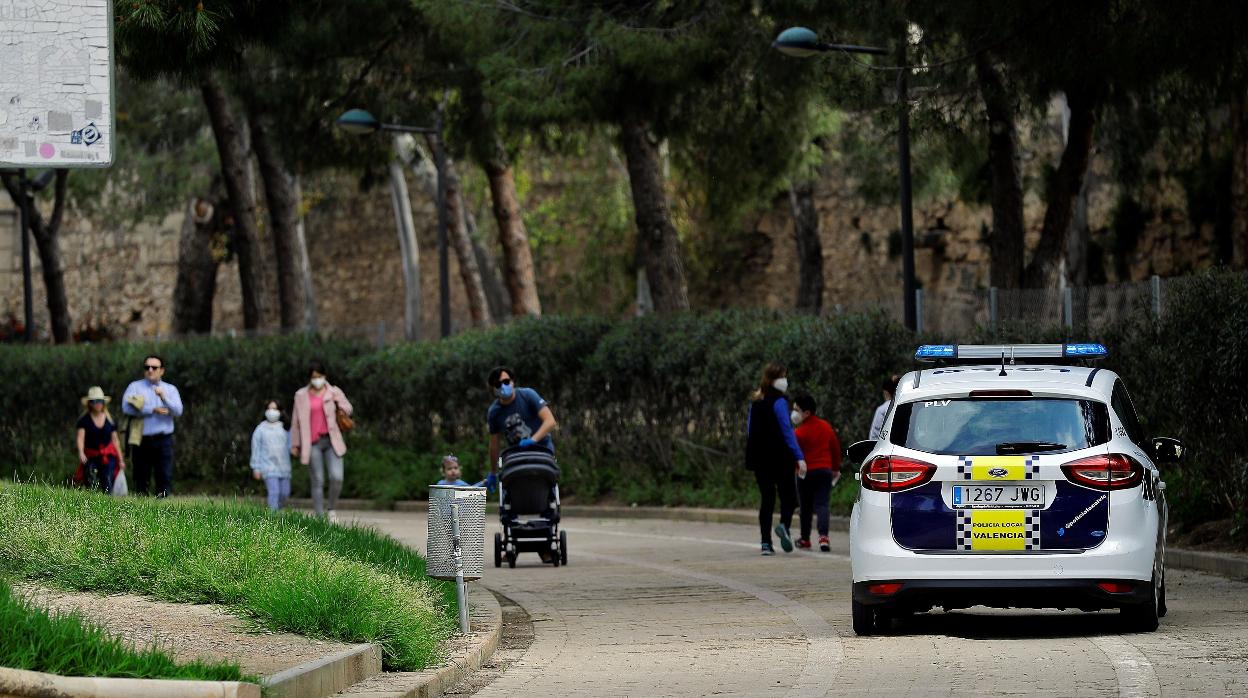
[121, 278]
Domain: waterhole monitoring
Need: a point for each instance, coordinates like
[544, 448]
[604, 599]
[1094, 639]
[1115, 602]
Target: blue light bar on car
[936, 351]
[1091, 351]
[1010, 353]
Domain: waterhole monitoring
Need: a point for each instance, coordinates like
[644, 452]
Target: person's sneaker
[332, 516]
[803, 544]
[824, 545]
[768, 550]
[786, 541]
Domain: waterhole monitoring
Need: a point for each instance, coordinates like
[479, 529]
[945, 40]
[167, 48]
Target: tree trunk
[488, 150]
[45, 235]
[304, 262]
[1239, 180]
[409, 247]
[1046, 262]
[514, 239]
[196, 283]
[809, 248]
[491, 280]
[283, 205]
[234, 172]
[469, 271]
[1006, 244]
[658, 244]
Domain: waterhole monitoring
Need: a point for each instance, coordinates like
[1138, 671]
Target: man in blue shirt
[518, 415]
[157, 403]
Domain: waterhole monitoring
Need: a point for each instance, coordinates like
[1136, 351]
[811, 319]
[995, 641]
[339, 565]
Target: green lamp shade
[797, 41]
[358, 121]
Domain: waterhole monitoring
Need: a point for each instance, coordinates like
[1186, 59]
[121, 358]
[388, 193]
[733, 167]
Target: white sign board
[56, 83]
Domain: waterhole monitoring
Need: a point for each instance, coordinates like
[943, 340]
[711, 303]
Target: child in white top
[270, 455]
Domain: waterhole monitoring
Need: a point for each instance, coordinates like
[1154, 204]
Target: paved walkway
[649, 608]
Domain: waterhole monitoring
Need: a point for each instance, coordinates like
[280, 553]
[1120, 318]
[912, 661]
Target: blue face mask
[505, 390]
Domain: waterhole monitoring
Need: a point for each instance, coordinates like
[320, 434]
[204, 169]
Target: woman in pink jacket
[315, 437]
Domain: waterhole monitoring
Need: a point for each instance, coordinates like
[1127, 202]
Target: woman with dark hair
[316, 437]
[772, 452]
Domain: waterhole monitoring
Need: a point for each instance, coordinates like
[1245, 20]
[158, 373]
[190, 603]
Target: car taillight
[1115, 471]
[884, 588]
[893, 473]
[1116, 587]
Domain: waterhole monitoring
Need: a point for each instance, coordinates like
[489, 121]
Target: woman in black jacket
[771, 451]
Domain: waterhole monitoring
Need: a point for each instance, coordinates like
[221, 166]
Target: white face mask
[795, 417]
[272, 415]
[781, 384]
[318, 383]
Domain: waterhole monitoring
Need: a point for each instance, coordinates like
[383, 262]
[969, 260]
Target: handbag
[345, 423]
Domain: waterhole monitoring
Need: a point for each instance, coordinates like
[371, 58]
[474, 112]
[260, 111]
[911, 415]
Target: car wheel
[498, 550]
[864, 618]
[1144, 617]
[1161, 601]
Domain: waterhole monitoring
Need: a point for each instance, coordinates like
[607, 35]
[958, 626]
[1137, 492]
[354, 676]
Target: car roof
[1080, 381]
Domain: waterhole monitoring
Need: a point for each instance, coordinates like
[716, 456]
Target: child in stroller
[528, 496]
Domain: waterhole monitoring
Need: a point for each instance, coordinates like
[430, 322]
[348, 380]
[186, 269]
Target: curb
[486, 621]
[34, 684]
[733, 516]
[327, 675]
[1222, 564]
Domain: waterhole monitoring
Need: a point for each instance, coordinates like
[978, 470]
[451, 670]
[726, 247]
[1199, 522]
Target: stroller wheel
[563, 547]
[511, 560]
[554, 552]
[498, 550]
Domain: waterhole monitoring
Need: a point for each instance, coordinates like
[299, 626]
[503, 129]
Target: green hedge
[651, 409]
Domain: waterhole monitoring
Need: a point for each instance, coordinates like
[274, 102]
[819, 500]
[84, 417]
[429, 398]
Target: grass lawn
[65, 644]
[286, 572]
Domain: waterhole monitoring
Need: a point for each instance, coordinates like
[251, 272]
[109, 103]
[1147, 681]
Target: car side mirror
[857, 452]
[1166, 450]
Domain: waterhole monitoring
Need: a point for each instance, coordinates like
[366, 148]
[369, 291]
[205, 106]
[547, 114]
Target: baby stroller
[528, 506]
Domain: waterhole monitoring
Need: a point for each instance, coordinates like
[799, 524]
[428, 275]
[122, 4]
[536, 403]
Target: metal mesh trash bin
[444, 500]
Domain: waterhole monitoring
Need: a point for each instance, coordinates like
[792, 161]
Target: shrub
[651, 410]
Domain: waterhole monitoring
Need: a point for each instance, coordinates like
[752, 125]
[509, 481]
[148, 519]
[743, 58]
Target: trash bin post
[461, 587]
[456, 542]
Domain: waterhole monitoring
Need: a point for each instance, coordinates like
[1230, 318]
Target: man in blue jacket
[158, 404]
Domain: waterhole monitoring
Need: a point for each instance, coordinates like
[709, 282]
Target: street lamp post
[360, 121]
[802, 42]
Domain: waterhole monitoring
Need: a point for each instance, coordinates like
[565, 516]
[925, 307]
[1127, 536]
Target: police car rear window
[980, 426]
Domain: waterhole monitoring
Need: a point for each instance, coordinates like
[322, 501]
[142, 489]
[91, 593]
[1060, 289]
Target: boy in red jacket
[822, 448]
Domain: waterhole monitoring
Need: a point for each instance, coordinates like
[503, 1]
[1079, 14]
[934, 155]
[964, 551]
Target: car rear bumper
[922, 594]
[1127, 551]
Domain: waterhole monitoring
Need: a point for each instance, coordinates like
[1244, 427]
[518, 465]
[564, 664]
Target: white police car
[1010, 477]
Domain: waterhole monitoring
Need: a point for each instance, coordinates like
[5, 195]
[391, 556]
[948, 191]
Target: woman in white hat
[99, 451]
